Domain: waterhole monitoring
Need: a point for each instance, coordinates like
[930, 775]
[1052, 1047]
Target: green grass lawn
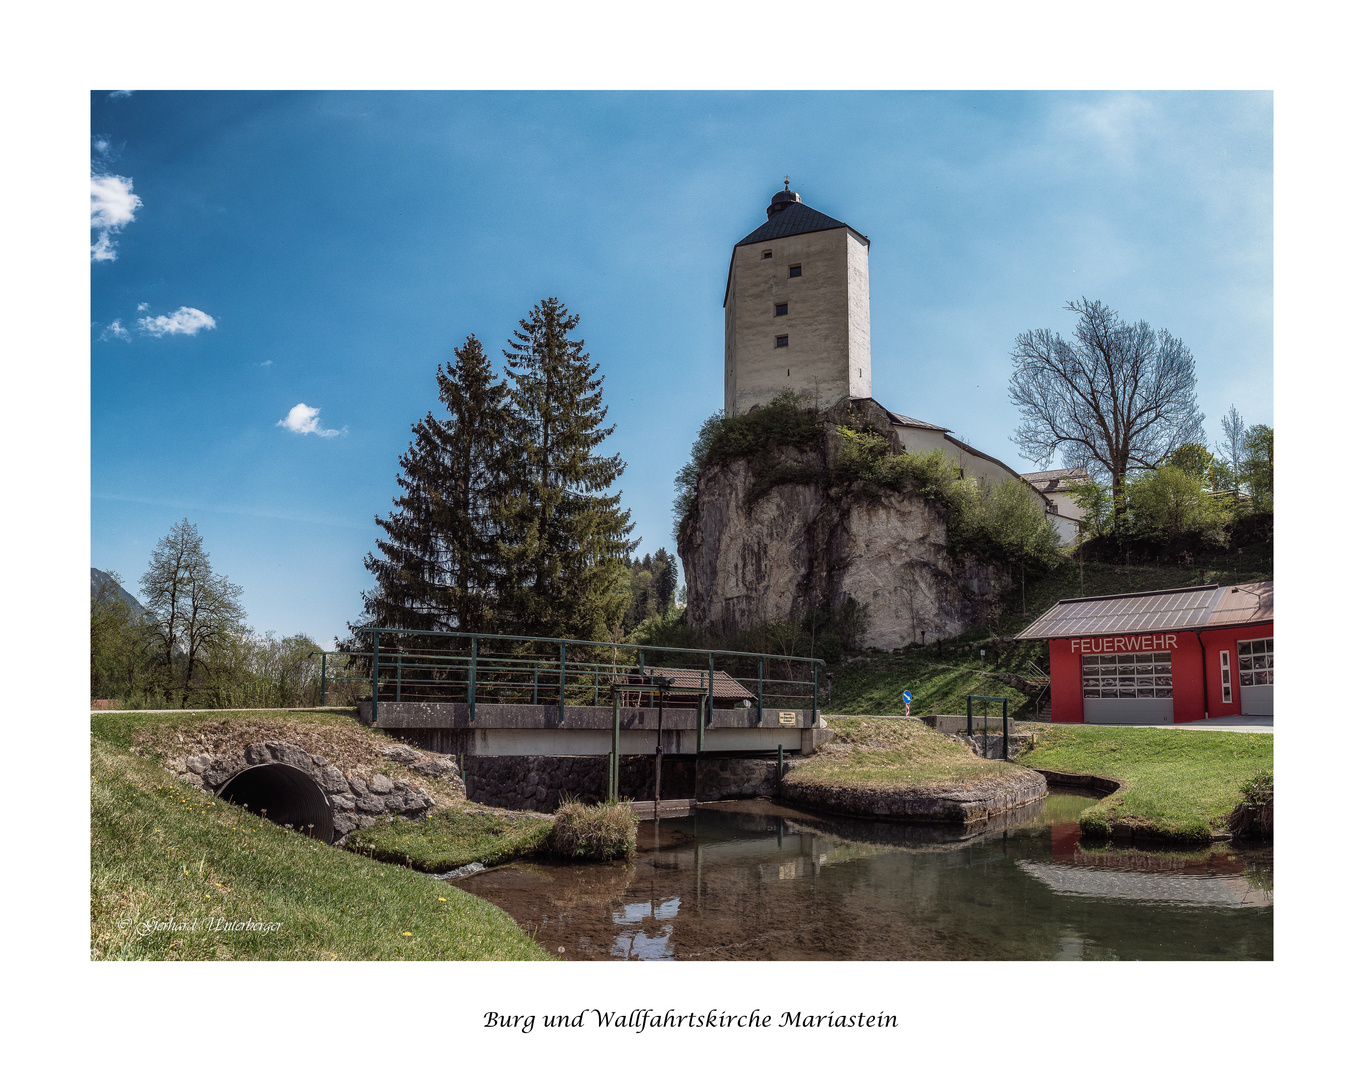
[448, 839]
[164, 853]
[1181, 784]
[939, 679]
[892, 754]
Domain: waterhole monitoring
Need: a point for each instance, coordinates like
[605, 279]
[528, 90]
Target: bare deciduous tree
[1119, 396]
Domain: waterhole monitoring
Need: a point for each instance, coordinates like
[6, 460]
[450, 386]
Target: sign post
[908, 698]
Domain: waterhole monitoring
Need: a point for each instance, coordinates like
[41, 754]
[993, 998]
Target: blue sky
[262, 251]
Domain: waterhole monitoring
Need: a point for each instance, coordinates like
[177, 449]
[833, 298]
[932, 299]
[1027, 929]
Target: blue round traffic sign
[907, 696]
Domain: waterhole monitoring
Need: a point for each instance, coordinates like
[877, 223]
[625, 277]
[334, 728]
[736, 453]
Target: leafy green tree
[1195, 460]
[189, 607]
[1168, 503]
[1119, 396]
[564, 533]
[1259, 466]
[438, 566]
[120, 646]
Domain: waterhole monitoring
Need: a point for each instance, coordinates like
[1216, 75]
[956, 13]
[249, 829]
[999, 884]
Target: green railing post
[473, 679]
[710, 692]
[760, 691]
[374, 705]
[399, 689]
[324, 678]
[969, 703]
[814, 700]
[535, 686]
[700, 723]
[614, 780]
[562, 662]
[1006, 729]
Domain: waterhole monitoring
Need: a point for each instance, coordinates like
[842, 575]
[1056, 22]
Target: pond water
[757, 881]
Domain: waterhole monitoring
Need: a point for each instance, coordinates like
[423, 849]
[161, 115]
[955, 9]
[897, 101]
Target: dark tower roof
[788, 216]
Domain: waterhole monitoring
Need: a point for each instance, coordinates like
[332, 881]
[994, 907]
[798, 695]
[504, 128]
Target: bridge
[582, 714]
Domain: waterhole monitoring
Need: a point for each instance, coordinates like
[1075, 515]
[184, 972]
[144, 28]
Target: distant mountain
[102, 581]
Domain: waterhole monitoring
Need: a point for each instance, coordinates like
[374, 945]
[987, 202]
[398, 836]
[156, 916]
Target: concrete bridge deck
[547, 730]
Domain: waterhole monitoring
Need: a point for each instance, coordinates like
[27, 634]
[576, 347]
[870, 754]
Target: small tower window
[767, 254]
[781, 341]
[781, 309]
[795, 270]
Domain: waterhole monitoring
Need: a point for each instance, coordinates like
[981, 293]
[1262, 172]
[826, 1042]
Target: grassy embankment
[172, 868]
[1181, 785]
[893, 754]
[941, 675]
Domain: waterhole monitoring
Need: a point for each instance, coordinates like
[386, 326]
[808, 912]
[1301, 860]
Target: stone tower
[797, 309]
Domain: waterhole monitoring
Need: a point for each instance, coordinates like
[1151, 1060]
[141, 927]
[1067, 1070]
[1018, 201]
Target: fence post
[324, 678]
[374, 704]
[760, 691]
[613, 779]
[969, 703]
[814, 702]
[473, 678]
[399, 689]
[710, 692]
[562, 661]
[1006, 729]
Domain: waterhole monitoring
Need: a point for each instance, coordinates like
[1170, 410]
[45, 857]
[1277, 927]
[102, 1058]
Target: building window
[795, 270]
[1127, 675]
[1256, 661]
[781, 309]
[1226, 677]
[767, 254]
[781, 341]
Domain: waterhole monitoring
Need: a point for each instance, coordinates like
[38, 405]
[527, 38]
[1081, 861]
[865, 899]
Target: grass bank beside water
[1181, 785]
[176, 874]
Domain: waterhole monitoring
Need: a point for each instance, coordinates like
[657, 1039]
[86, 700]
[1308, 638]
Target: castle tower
[797, 309]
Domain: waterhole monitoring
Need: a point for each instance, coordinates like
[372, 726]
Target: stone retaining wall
[968, 805]
[356, 799]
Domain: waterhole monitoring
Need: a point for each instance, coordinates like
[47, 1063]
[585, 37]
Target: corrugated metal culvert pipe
[285, 795]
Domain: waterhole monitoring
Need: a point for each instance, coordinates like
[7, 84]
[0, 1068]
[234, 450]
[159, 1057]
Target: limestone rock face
[808, 544]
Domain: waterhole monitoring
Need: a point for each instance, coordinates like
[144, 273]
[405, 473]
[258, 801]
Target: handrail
[492, 673]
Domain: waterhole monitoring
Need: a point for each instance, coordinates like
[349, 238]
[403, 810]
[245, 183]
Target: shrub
[602, 832]
[865, 463]
[757, 435]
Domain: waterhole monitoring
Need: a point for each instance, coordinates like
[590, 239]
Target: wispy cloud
[266, 363]
[185, 320]
[302, 419]
[120, 93]
[112, 206]
[115, 330]
[143, 307]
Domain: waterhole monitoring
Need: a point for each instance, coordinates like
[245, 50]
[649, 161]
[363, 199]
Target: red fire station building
[1160, 657]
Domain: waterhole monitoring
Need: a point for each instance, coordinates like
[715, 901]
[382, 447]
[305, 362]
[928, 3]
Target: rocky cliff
[807, 543]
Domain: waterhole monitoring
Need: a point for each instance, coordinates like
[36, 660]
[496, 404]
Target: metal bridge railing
[445, 666]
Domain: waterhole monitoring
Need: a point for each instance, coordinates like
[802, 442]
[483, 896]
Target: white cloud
[112, 206]
[120, 93]
[302, 419]
[185, 320]
[266, 363]
[115, 330]
[143, 307]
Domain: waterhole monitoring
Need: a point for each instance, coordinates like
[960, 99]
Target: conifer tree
[438, 565]
[566, 533]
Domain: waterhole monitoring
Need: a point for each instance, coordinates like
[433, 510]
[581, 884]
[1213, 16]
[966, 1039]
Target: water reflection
[754, 881]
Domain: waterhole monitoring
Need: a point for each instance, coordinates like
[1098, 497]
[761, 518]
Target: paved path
[1259, 725]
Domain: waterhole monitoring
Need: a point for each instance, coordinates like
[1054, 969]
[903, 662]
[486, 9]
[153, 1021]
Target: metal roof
[1197, 608]
[725, 686]
[1055, 479]
[797, 218]
[909, 421]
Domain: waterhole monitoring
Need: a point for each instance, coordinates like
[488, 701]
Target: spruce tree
[437, 565]
[566, 532]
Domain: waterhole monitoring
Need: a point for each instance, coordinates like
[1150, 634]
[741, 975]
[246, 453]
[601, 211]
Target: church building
[798, 317]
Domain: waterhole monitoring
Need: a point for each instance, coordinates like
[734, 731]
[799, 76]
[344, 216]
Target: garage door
[1256, 662]
[1128, 688]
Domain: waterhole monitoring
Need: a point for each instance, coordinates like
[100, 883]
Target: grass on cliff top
[889, 753]
[939, 679]
[448, 839]
[167, 862]
[1181, 784]
[128, 729]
